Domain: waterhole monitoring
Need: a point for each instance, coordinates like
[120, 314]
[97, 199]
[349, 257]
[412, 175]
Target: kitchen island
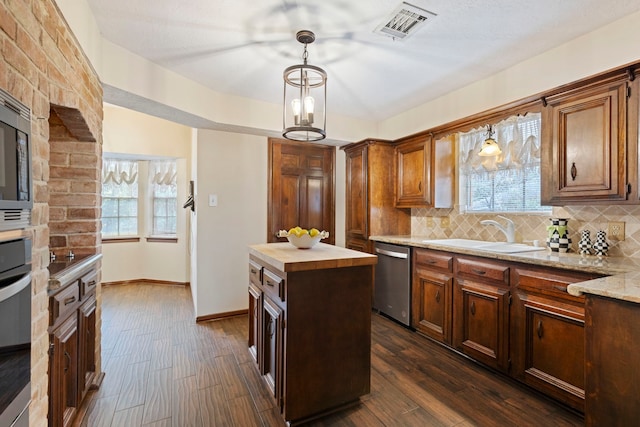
[310, 326]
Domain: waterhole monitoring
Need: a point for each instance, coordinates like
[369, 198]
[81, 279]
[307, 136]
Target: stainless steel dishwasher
[392, 294]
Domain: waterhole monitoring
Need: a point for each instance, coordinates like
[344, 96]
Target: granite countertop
[623, 274]
[66, 270]
[286, 257]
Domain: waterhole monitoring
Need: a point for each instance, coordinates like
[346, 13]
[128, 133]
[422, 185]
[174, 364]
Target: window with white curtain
[509, 182]
[119, 197]
[164, 197]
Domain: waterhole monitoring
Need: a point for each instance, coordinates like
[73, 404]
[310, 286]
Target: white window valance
[119, 171]
[518, 138]
[163, 172]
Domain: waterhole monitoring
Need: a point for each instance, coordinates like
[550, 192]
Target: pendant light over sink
[305, 94]
[490, 147]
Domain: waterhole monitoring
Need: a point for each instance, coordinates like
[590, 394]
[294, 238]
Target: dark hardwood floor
[163, 369]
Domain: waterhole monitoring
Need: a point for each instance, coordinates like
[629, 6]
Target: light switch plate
[213, 200]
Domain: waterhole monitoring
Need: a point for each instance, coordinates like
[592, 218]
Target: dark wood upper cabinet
[424, 172]
[301, 188]
[588, 153]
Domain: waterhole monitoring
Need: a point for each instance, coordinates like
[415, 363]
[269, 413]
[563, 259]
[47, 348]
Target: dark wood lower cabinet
[87, 345]
[72, 346]
[255, 304]
[272, 332]
[481, 310]
[63, 377]
[548, 338]
[314, 335]
[432, 293]
[612, 369]
[481, 321]
[515, 318]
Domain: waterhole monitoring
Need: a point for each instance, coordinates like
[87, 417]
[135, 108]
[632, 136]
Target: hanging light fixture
[490, 147]
[305, 94]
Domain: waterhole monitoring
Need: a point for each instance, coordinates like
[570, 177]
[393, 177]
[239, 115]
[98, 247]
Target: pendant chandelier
[490, 147]
[305, 94]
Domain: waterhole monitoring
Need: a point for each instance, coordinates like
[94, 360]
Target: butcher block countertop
[287, 258]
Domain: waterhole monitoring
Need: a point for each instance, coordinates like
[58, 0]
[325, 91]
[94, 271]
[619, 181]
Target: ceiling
[241, 47]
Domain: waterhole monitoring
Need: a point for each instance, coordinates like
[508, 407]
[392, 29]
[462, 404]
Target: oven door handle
[9, 291]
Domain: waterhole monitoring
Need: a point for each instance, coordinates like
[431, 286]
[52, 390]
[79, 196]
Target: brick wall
[42, 65]
[74, 190]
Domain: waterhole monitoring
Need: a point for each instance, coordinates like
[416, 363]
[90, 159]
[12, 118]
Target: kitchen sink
[481, 245]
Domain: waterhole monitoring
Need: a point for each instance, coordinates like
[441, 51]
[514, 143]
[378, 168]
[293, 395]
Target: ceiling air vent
[404, 21]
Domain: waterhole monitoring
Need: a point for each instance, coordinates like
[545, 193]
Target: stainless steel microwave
[16, 194]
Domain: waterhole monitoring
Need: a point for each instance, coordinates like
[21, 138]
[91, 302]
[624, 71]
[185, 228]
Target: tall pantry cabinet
[370, 195]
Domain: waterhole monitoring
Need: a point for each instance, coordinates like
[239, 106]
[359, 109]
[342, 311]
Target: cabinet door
[356, 193]
[547, 348]
[585, 157]
[63, 384]
[272, 346]
[413, 168]
[87, 345]
[554, 349]
[255, 310]
[481, 322]
[432, 304]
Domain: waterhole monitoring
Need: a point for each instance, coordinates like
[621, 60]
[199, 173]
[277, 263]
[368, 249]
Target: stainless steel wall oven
[15, 332]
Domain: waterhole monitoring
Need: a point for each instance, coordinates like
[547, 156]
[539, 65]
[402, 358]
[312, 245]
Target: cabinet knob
[270, 327]
[473, 308]
[574, 171]
[68, 359]
[539, 329]
[438, 295]
[419, 185]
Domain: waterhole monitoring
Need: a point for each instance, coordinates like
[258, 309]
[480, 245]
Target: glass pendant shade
[305, 94]
[490, 147]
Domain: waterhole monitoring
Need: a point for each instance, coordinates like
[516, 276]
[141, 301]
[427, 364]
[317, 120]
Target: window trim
[130, 239]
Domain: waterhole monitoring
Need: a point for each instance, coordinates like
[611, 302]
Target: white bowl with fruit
[302, 238]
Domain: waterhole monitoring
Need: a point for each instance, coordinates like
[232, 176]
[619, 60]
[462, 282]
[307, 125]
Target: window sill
[162, 239]
[133, 239]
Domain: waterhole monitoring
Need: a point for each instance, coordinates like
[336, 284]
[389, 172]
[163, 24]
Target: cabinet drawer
[274, 285]
[434, 259]
[88, 283]
[63, 303]
[549, 282]
[482, 270]
[255, 273]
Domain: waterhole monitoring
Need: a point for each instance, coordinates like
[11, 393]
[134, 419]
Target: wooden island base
[310, 326]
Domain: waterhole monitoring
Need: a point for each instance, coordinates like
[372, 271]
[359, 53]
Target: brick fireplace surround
[43, 66]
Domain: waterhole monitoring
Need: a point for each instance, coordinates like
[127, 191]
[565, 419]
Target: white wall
[129, 132]
[234, 167]
[609, 47]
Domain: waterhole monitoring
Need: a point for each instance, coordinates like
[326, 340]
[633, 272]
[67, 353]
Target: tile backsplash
[451, 223]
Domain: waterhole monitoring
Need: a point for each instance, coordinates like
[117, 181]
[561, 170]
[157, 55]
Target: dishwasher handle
[391, 253]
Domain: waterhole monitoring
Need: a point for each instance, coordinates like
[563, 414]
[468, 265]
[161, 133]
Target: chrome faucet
[509, 231]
